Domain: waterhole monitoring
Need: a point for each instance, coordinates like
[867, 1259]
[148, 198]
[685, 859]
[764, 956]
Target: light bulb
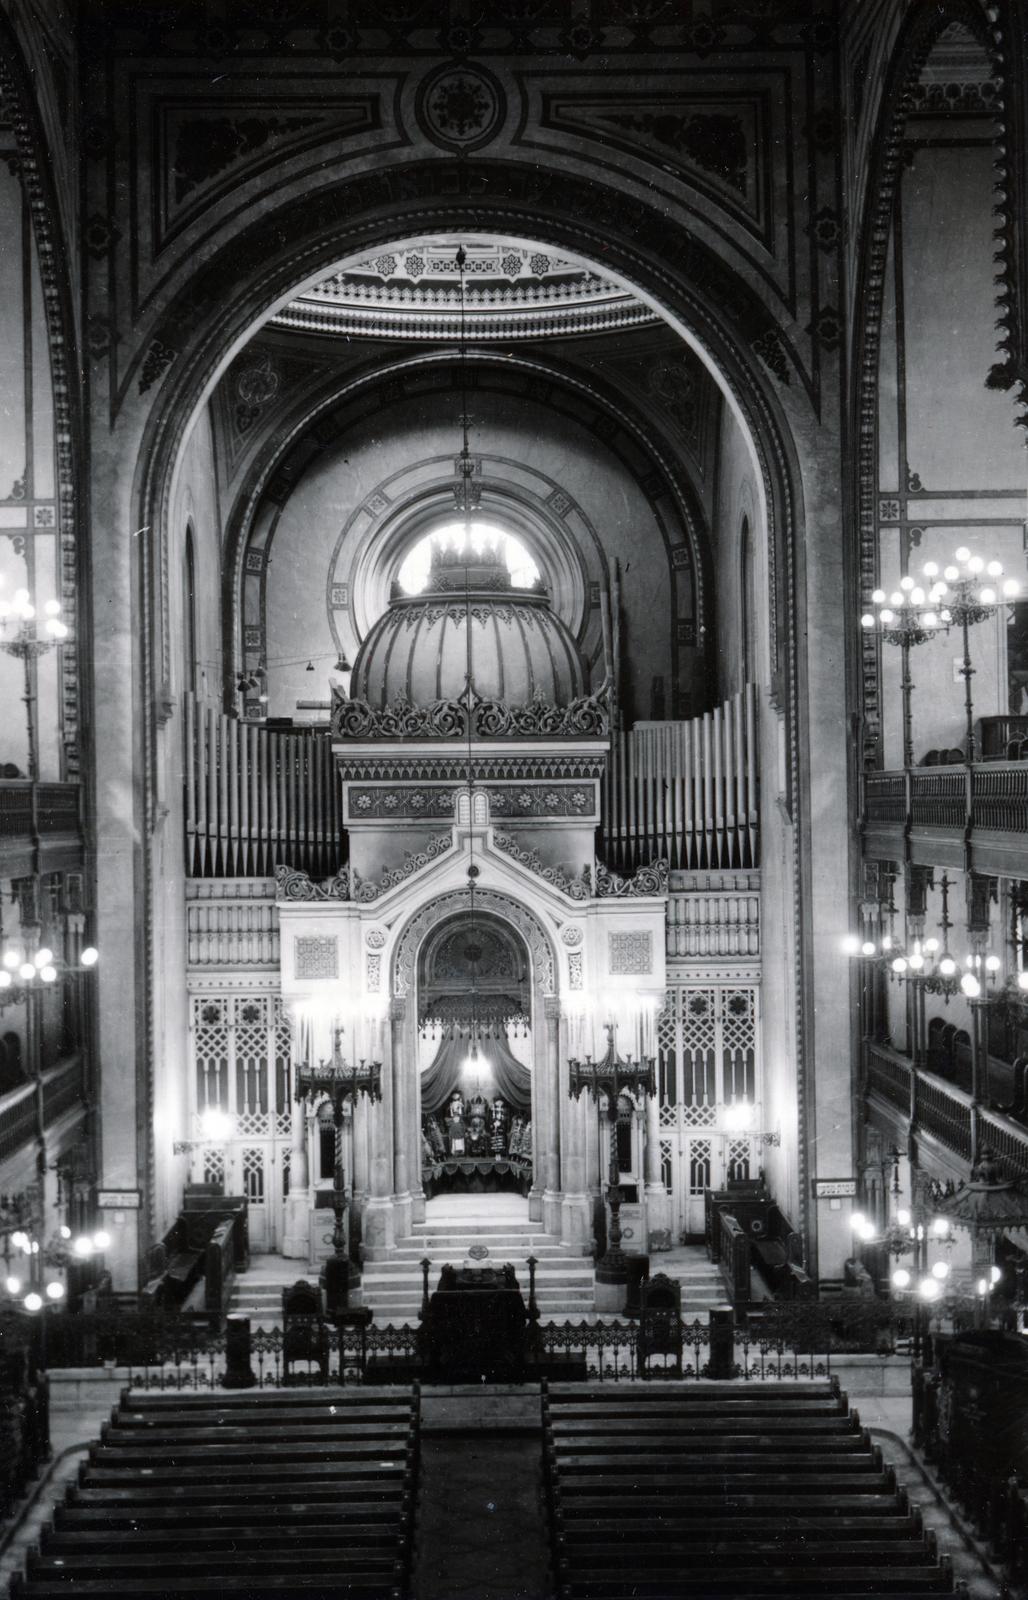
[867, 620]
[906, 583]
[951, 574]
[887, 941]
[878, 597]
[931, 569]
[52, 608]
[903, 1217]
[83, 1246]
[101, 1239]
[27, 970]
[887, 616]
[1022, 980]
[995, 1273]
[1011, 588]
[55, 1290]
[901, 1278]
[56, 629]
[917, 597]
[857, 1220]
[947, 966]
[940, 1270]
[868, 949]
[945, 615]
[20, 1240]
[931, 945]
[33, 1302]
[900, 964]
[64, 1231]
[929, 619]
[916, 961]
[995, 569]
[43, 957]
[987, 596]
[21, 597]
[929, 1289]
[5, 978]
[89, 956]
[982, 1286]
[897, 598]
[215, 1125]
[12, 1285]
[992, 963]
[48, 974]
[975, 565]
[963, 554]
[940, 1227]
[970, 986]
[851, 944]
[11, 960]
[739, 1116]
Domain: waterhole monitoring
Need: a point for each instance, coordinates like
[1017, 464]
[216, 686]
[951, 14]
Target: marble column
[379, 1234]
[296, 1237]
[403, 1094]
[546, 1177]
[658, 1201]
[575, 1215]
[412, 1100]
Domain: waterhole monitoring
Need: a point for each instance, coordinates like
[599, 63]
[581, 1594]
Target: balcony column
[546, 1155]
[576, 1217]
[296, 1237]
[406, 1154]
[378, 1232]
[658, 1201]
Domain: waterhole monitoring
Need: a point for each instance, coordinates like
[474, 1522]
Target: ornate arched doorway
[475, 1079]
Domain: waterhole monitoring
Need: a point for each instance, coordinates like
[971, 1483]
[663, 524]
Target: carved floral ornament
[472, 715]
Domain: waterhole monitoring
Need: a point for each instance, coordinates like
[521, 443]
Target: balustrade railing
[62, 1090]
[784, 1340]
[991, 795]
[945, 1111]
[885, 797]
[685, 791]
[256, 797]
[18, 1119]
[30, 809]
[939, 797]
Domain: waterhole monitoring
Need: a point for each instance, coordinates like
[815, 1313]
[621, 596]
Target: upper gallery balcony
[946, 808]
[40, 827]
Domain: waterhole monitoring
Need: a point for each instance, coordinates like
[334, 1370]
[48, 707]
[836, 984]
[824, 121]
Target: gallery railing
[943, 1109]
[991, 795]
[788, 1341]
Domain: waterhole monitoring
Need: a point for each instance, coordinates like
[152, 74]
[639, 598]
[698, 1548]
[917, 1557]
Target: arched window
[190, 611]
[413, 573]
[746, 610]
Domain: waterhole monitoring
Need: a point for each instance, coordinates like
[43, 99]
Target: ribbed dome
[418, 651]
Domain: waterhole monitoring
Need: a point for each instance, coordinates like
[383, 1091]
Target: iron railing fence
[785, 1340]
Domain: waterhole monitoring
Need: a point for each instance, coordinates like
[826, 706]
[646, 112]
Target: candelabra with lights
[905, 618]
[216, 1128]
[22, 974]
[30, 1262]
[965, 591]
[340, 1082]
[27, 637]
[606, 1081]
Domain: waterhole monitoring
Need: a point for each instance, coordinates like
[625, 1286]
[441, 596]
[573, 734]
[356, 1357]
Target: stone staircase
[257, 1293]
[563, 1281]
[702, 1284]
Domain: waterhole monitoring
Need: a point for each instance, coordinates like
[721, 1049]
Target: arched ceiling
[507, 290]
